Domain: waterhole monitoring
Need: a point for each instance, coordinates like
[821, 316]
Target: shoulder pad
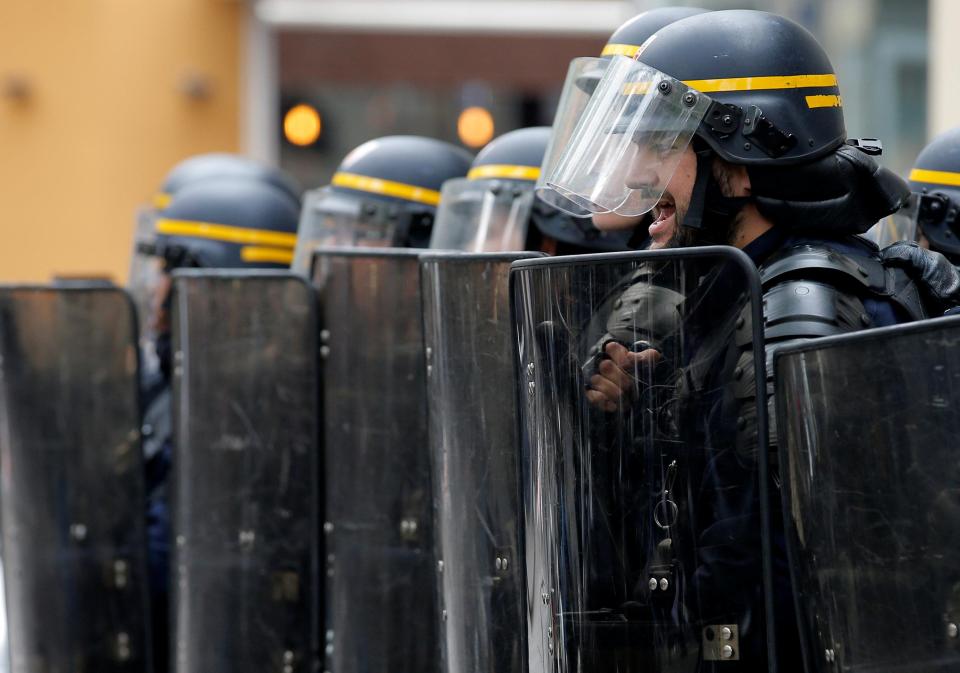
[821, 262]
[798, 308]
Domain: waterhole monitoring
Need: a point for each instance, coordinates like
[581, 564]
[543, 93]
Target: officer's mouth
[663, 218]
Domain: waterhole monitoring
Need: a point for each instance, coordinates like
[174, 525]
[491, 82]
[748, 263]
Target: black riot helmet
[629, 37]
[384, 193]
[187, 174]
[228, 223]
[749, 87]
[935, 179]
[494, 208]
[201, 167]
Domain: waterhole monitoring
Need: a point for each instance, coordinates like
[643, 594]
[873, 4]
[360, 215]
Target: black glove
[930, 270]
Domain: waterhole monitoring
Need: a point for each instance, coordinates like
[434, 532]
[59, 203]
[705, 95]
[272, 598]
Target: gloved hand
[930, 270]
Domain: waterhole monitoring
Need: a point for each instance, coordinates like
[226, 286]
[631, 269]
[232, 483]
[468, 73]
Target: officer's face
[160, 305]
[675, 201]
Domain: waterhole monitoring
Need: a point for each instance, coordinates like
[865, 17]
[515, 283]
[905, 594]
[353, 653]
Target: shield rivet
[439, 566]
[664, 584]
[652, 584]
[78, 532]
[498, 564]
[288, 657]
[120, 568]
[123, 646]
[726, 652]
[726, 633]
[952, 630]
[830, 656]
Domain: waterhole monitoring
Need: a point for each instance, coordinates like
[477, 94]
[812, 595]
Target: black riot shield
[475, 457]
[245, 466]
[380, 592]
[72, 485]
[644, 462]
[869, 439]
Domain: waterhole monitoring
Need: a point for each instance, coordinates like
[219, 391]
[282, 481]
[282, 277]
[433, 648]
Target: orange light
[475, 127]
[301, 125]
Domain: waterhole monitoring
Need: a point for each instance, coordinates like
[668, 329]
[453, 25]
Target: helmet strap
[711, 213]
[693, 218]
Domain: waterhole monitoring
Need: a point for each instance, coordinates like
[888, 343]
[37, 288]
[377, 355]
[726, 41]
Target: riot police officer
[728, 127]
[384, 193]
[935, 179]
[244, 217]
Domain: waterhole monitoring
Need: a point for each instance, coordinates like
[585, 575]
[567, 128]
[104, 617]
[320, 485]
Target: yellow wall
[106, 119]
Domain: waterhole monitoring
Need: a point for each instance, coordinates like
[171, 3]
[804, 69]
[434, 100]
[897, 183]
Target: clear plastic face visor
[582, 78]
[483, 215]
[329, 219]
[628, 142]
[900, 226]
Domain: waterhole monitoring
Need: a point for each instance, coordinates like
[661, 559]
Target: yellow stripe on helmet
[762, 83]
[832, 100]
[397, 190]
[746, 84]
[945, 178]
[628, 50]
[226, 233]
[504, 172]
[256, 253]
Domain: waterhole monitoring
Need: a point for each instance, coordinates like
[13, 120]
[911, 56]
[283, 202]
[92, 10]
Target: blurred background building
[99, 98]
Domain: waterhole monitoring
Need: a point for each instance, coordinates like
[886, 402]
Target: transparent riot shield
[644, 462]
[71, 486]
[380, 592]
[868, 428]
[245, 473]
[475, 457]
